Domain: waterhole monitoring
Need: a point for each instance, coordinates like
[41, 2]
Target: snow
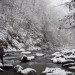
[1, 65]
[28, 57]
[58, 59]
[24, 71]
[55, 71]
[39, 54]
[23, 56]
[31, 57]
[73, 67]
[27, 70]
[18, 68]
[72, 56]
[27, 52]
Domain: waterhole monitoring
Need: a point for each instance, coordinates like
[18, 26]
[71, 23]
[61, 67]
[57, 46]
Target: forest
[35, 29]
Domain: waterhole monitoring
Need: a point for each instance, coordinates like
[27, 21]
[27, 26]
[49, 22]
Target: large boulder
[17, 68]
[24, 59]
[39, 54]
[28, 71]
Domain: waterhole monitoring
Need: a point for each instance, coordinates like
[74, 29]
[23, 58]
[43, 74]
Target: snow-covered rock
[31, 58]
[39, 54]
[27, 71]
[27, 52]
[24, 59]
[72, 56]
[27, 58]
[55, 71]
[17, 68]
[66, 51]
[58, 59]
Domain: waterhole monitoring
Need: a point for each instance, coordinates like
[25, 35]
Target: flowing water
[39, 63]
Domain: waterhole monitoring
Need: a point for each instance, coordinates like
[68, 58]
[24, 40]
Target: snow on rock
[72, 56]
[57, 59]
[31, 58]
[27, 71]
[27, 58]
[67, 51]
[27, 52]
[39, 54]
[55, 71]
[24, 59]
[17, 68]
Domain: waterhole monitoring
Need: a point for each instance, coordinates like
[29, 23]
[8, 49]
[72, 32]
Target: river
[39, 64]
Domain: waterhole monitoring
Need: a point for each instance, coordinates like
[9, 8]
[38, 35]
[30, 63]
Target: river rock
[24, 59]
[55, 71]
[39, 54]
[24, 53]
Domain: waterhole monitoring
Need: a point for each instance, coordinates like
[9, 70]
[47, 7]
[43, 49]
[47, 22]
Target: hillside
[29, 24]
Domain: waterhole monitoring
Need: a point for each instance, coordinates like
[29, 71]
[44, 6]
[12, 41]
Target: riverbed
[39, 63]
